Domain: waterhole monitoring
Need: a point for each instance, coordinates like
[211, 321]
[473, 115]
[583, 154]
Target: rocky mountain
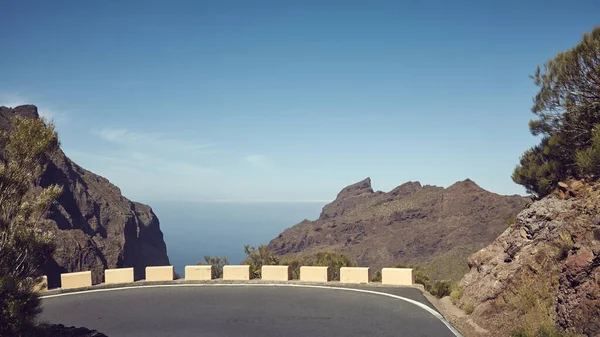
[544, 270]
[431, 226]
[94, 226]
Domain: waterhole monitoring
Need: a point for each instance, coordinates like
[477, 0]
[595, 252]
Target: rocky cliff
[427, 225]
[94, 226]
[544, 270]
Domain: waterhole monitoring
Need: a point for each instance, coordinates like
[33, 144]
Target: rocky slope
[544, 270]
[427, 225]
[94, 226]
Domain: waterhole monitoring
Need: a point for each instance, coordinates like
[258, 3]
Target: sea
[193, 230]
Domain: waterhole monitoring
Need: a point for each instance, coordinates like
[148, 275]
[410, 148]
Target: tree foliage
[567, 106]
[588, 159]
[24, 246]
[334, 261]
[258, 257]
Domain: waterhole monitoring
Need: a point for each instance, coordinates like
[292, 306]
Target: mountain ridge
[411, 224]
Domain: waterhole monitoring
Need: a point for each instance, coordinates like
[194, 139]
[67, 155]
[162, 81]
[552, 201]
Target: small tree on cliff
[24, 246]
[567, 107]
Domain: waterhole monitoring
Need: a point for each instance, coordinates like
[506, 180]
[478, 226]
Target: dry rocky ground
[542, 272]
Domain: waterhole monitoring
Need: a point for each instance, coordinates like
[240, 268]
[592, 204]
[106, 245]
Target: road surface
[245, 311]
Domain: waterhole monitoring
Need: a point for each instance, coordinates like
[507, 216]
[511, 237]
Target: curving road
[245, 311]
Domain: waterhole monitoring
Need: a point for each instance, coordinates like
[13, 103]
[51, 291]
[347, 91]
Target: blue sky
[286, 101]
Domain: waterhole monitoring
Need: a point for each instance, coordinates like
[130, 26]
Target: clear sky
[285, 100]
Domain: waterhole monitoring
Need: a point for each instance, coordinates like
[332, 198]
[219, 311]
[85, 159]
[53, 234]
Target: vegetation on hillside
[24, 245]
[567, 107]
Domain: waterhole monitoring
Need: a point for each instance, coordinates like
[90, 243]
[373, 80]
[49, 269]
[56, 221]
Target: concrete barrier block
[237, 273]
[276, 273]
[42, 285]
[119, 275]
[76, 280]
[397, 276]
[160, 273]
[355, 275]
[314, 274]
[199, 273]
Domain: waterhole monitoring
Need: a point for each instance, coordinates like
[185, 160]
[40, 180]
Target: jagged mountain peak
[466, 184]
[356, 189]
[427, 225]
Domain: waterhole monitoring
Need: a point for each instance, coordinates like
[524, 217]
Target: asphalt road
[244, 311]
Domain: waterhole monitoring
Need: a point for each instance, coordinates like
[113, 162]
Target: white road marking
[419, 304]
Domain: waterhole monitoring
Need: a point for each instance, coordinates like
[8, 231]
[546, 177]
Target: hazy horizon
[193, 230]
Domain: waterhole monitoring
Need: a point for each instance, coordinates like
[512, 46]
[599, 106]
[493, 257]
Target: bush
[441, 288]
[468, 306]
[334, 261]
[257, 257]
[376, 277]
[456, 293]
[565, 244]
[217, 262]
[295, 263]
[535, 302]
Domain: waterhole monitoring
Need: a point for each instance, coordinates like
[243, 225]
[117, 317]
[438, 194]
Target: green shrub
[295, 263]
[565, 244]
[217, 262]
[468, 306]
[257, 257]
[376, 277]
[441, 288]
[511, 221]
[334, 261]
[456, 293]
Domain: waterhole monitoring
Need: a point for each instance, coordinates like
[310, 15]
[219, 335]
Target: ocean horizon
[193, 230]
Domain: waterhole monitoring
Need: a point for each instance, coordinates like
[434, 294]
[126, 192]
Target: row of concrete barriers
[389, 276]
